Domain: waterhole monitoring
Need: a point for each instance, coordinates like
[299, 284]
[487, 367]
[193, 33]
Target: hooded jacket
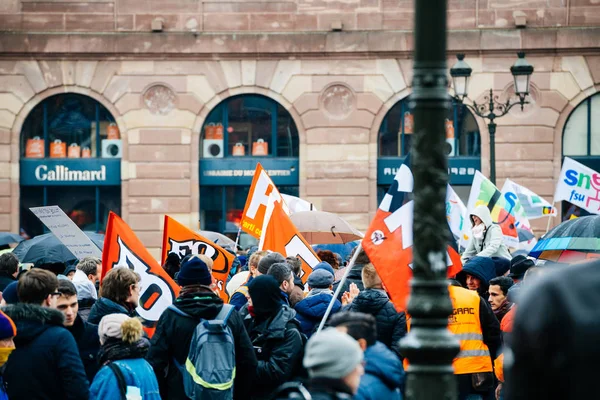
[482, 268]
[311, 310]
[45, 364]
[492, 244]
[88, 343]
[384, 375]
[104, 306]
[279, 346]
[173, 336]
[137, 372]
[391, 325]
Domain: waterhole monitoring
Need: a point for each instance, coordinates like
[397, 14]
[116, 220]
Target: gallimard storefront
[70, 157]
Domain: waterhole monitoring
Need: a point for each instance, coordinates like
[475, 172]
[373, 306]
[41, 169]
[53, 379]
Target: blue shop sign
[75, 172]
[239, 171]
[460, 169]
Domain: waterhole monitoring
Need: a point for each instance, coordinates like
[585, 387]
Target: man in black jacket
[275, 335]
[391, 325]
[45, 363]
[173, 335]
[355, 274]
[554, 342]
[85, 334]
[9, 268]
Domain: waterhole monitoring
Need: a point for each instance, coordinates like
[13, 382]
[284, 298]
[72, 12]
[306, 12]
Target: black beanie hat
[265, 294]
[265, 263]
[194, 272]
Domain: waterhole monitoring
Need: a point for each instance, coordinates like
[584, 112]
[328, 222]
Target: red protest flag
[122, 248]
[181, 240]
[279, 234]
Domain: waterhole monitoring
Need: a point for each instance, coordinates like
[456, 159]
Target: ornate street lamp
[492, 108]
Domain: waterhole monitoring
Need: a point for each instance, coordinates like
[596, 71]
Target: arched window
[71, 157]
[249, 125]
[581, 141]
[462, 136]
[239, 133]
[395, 133]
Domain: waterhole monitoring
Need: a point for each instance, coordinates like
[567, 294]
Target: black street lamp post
[429, 346]
[492, 108]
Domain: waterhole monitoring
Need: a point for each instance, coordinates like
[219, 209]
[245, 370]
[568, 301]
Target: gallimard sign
[88, 172]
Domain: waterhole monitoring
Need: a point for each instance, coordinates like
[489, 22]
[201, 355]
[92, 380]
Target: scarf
[501, 311]
[115, 349]
[316, 291]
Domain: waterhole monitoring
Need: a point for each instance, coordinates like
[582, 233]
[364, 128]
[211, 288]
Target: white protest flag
[579, 185]
[533, 205]
[456, 213]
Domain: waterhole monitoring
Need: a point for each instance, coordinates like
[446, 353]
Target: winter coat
[5, 280]
[137, 372]
[104, 306]
[329, 389]
[391, 325]
[173, 336]
[45, 364]
[384, 375]
[85, 307]
[88, 343]
[310, 311]
[492, 244]
[279, 347]
[554, 342]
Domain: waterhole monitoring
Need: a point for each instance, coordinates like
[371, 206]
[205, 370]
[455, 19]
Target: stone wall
[280, 15]
[337, 105]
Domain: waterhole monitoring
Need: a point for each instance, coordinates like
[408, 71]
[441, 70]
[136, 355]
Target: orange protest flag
[256, 204]
[181, 240]
[280, 235]
[122, 248]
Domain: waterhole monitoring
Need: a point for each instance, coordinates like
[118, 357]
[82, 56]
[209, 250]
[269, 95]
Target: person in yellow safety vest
[478, 330]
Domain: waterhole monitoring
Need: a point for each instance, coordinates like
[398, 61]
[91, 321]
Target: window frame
[588, 102]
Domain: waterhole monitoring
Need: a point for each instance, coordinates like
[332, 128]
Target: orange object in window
[238, 150]
[58, 149]
[409, 123]
[35, 148]
[213, 131]
[113, 131]
[74, 151]
[86, 152]
[260, 148]
[449, 129]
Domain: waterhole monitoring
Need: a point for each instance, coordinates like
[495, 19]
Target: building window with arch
[462, 138]
[581, 142]
[238, 133]
[71, 157]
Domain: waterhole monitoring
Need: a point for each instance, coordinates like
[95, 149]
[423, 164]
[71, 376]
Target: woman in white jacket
[487, 239]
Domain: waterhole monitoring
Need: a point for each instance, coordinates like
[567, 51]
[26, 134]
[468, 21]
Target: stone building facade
[159, 67]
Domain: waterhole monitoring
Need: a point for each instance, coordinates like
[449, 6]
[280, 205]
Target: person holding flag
[487, 239]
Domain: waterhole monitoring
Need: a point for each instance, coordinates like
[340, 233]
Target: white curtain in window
[595, 125]
[575, 134]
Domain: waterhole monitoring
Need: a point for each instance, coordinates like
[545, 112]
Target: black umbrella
[579, 234]
[47, 249]
[7, 238]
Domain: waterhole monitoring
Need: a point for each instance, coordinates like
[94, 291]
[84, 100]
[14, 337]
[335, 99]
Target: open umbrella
[9, 238]
[219, 239]
[320, 227]
[48, 249]
[576, 236]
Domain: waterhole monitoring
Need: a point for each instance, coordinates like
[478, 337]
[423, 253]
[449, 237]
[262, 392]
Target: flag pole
[550, 216]
[340, 285]
[237, 239]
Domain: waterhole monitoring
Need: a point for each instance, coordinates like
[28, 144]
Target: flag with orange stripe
[122, 248]
[280, 234]
[181, 240]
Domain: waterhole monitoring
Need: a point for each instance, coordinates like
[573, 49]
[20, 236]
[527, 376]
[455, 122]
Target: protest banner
[123, 249]
[533, 205]
[279, 234]
[256, 204]
[183, 241]
[456, 214]
[67, 231]
[579, 185]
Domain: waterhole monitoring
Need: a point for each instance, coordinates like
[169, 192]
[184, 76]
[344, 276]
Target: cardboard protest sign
[67, 231]
[256, 204]
[123, 249]
[181, 240]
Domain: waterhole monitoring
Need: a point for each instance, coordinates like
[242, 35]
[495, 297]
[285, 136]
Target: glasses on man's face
[57, 294]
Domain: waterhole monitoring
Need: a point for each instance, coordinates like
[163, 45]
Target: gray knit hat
[265, 263]
[331, 354]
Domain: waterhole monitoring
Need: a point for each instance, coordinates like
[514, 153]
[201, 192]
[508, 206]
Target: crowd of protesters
[63, 336]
